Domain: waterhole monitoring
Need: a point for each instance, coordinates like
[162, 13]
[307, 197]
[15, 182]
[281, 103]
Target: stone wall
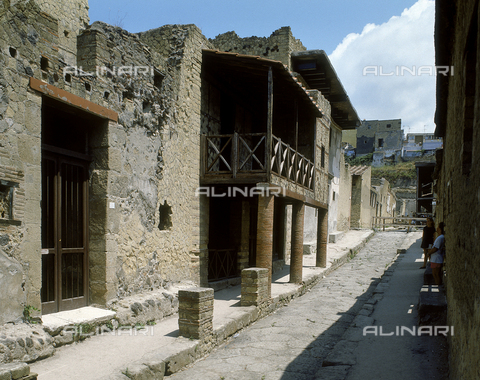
[458, 178]
[371, 130]
[278, 46]
[21, 47]
[344, 197]
[322, 134]
[335, 155]
[385, 196]
[145, 228]
[361, 210]
[72, 16]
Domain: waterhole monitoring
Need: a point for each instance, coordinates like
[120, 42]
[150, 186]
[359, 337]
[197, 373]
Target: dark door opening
[64, 233]
[66, 135]
[222, 247]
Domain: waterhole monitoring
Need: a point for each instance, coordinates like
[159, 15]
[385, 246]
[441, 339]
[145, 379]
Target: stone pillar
[322, 238]
[195, 312]
[296, 262]
[254, 286]
[265, 236]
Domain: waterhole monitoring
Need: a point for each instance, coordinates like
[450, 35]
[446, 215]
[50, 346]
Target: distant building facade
[379, 136]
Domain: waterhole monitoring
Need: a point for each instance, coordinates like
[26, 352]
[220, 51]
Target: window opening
[165, 217]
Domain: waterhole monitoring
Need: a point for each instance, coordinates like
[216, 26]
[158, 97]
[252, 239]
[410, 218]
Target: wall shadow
[310, 361]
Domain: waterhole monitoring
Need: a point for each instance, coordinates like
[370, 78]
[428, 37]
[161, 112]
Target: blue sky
[383, 35]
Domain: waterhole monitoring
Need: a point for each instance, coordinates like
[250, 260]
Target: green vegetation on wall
[395, 172]
[404, 170]
[358, 161]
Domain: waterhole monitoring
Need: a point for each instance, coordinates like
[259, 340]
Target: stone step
[16, 371]
[56, 322]
[432, 305]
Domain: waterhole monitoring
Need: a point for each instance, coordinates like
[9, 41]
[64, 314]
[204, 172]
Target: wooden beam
[71, 99]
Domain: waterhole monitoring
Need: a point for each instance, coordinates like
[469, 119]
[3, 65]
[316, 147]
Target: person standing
[437, 254]
[427, 240]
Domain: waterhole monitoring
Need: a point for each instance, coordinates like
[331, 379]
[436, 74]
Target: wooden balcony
[244, 158]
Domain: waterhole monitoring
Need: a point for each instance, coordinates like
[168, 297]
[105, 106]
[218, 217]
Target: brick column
[195, 312]
[265, 236]
[254, 286]
[244, 254]
[296, 261]
[322, 237]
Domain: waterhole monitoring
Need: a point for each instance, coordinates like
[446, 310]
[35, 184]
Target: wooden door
[64, 233]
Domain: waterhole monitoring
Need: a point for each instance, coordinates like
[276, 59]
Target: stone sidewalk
[157, 350]
[320, 335]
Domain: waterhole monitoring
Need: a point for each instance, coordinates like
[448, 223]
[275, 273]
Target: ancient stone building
[458, 176]
[361, 211]
[99, 157]
[132, 161]
[383, 198]
[370, 197]
[265, 101]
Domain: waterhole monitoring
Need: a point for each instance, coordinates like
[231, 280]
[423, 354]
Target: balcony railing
[237, 154]
[290, 164]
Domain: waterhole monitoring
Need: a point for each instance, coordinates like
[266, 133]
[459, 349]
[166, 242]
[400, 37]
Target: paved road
[323, 326]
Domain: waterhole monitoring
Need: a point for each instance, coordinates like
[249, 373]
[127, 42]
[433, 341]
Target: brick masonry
[254, 290]
[458, 178]
[265, 235]
[195, 312]
[296, 262]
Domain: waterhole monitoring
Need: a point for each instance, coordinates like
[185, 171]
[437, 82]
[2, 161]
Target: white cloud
[404, 44]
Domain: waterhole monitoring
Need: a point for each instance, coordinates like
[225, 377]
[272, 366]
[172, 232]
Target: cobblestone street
[325, 326]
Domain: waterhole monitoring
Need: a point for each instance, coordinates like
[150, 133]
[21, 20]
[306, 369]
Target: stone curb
[155, 366]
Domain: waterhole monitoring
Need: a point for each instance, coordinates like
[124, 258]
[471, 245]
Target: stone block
[334, 237]
[254, 289]
[11, 294]
[14, 371]
[310, 249]
[432, 302]
[195, 312]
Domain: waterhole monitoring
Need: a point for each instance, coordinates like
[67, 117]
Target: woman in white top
[437, 253]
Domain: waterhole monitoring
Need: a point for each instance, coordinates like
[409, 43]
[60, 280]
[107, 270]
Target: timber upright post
[296, 262]
[268, 141]
[322, 236]
[265, 235]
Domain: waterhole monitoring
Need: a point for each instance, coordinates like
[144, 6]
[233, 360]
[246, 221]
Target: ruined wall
[162, 168]
[344, 197]
[145, 221]
[335, 154]
[322, 135]
[72, 16]
[361, 211]
[458, 182]
[278, 46]
[21, 48]
[385, 196]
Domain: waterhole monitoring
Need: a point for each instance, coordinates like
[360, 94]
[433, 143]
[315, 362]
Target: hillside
[399, 175]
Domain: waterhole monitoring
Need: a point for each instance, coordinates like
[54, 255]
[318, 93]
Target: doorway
[64, 232]
[69, 141]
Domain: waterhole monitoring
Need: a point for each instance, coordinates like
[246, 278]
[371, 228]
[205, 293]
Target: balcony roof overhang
[316, 69]
[252, 72]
